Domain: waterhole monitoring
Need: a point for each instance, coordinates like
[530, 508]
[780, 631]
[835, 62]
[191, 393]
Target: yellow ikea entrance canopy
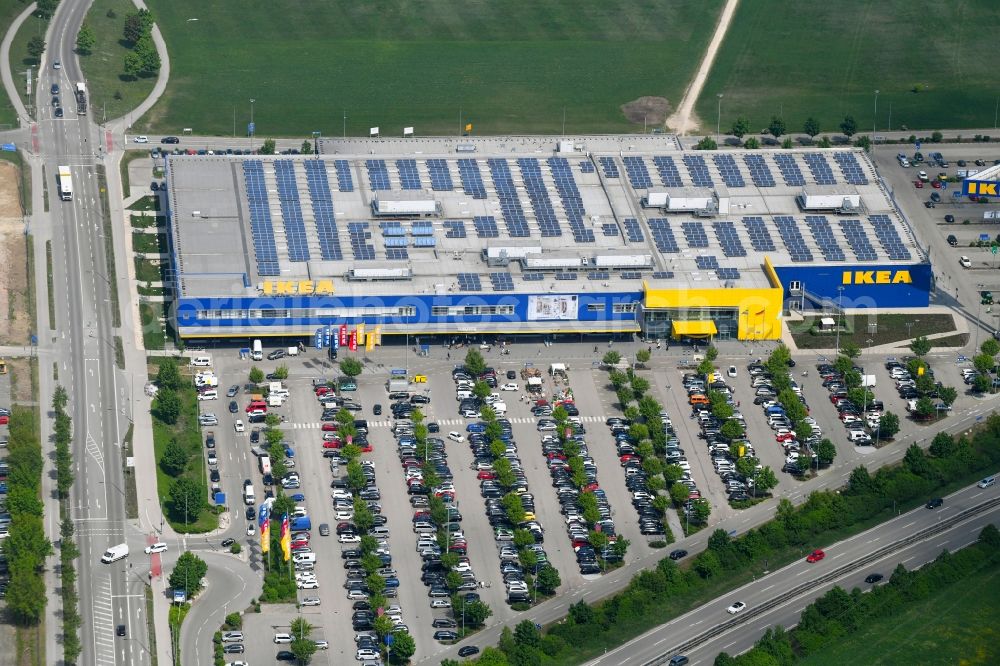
[700, 327]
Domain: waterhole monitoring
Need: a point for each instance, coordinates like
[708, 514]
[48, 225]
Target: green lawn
[153, 334]
[21, 61]
[890, 328]
[826, 59]
[947, 628]
[9, 9]
[111, 92]
[503, 65]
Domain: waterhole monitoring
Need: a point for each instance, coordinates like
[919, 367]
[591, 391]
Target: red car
[816, 556]
[323, 390]
[936, 184]
[919, 184]
[483, 475]
[330, 427]
[333, 444]
[785, 437]
[367, 448]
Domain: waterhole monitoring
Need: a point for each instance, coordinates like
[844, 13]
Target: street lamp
[253, 128]
[979, 287]
[874, 123]
[718, 122]
[840, 311]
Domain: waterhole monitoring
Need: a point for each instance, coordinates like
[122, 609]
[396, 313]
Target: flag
[286, 538]
[264, 521]
[468, 128]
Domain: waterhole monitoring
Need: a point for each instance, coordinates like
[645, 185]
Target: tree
[85, 39]
[36, 47]
[168, 376]
[307, 147]
[811, 127]
[707, 143]
[764, 481]
[990, 347]
[403, 648]
[731, 430]
[188, 573]
[514, 507]
[825, 142]
[269, 147]
[983, 363]
[148, 55]
[281, 372]
[850, 350]
[526, 633]
[26, 593]
[186, 499]
[547, 580]
[864, 142]
[826, 452]
[679, 493]
[849, 126]
[303, 649]
[611, 359]
[351, 367]
[642, 356]
[46, 8]
[981, 383]
[920, 345]
[948, 395]
[925, 408]
[175, 458]
[475, 363]
[167, 406]
[134, 29]
[474, 612]
[753, 143]
[741, 127]
[256, 375]
[301, 628]
[777, 127]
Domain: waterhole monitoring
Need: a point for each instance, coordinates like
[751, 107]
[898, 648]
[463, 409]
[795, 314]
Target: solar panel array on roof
[565, 276]
[857, 238]
[322, 205]
[440, 175]
[409, 177]
[669, 175]
[469, 282]
[510, 202]
[422, 229]
[727, 273]
[609, 229]
[638, 174]
[609, 167]
[532, 277]
[630, 275]
[424, 241]
[663, 235]
[851, 169]
[789, 170]
[888, 236]
[486, 226]
[794, 243]
[363, 250]
[572, 202]
[732, 246]
[760, 236]
[729, 170]
[502, 281]
[759, 171]
[663, 275]
[706, 262]
[632, 230]
[392, 228]
[531, 173]
[345, 181]
[820, 168]
[396, 254]
[454, 229]
[261, 227]
[472, 179]
[291, 211]
[695, 234]
[698, 170]
[823, 233]
[378, 175]
[599, 275]
[586, 167]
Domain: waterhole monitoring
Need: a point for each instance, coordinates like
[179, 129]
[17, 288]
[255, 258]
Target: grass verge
[109, 247]
[112, 94]
[889, 328]
[131, 497]
[147, 203]
[130, 156]
[149, 243]
[150, 628]
[153, 335]
[25, 175]
[119, 353]
[21, 61]
[48, 281]
[9, 9]
[145, 221]
[31, 645]
[29, 290]
[957, 340]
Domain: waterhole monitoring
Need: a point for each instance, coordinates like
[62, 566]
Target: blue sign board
[251, 128]
[318, 341]
[398, 372]
[8, 148]
[327, 336]
[918, 145]
[334, 338]
[220, 499]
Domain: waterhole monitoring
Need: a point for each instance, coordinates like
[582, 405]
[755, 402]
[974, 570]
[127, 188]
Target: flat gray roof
[239, 221]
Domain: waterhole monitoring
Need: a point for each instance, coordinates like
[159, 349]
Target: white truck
[248, 495]
[115, 553]
[258, 351]
[65, 184]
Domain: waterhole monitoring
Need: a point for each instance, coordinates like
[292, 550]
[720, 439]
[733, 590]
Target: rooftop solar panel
[727, 273]
[633, 230]
[888, 236]
[609, 229]
[440, 175]
[759, 171]
[261, 228]
[378, 175]
[359, 235]
[510, 202]
[669, 175]
[706, 262]
[729, 171]
[694, 233]
[663, 235]
[663, 275]
[469, 282]
[345, 181]
[729, 239]
[609, 167]
[565, 276]
[850, 168]
[760, 236]
[698, 170]
[472, 179]
[572, 202]
[532, 277]
[502, 281]
[396, 254]
[586, 167]
[857, 239]
[409, 177]
[599, 275]
[820, 168]
[291, 211]
[794, 243]
[637, 172]
[322, 205]
[531, 173]
[789, 170]
[424, 241]
[454, 229]
[825, 239]
[486, 226]
[630, 275]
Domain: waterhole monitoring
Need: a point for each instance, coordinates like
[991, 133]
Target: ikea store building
[541, 235]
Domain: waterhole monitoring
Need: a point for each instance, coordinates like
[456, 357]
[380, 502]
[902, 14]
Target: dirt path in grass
[684, 120]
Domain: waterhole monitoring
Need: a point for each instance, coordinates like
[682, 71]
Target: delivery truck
[65, 184]
[258, 351]
[265, 464]
[115, 553]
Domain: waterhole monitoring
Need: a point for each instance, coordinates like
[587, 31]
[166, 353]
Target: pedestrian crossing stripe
[441, 422]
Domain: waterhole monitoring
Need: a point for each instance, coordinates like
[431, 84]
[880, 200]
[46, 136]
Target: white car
[365, 653]
[440, 603]
[736, 608]
[141, 139]
[965, 262]
[310, 601]
[349, 538]
[239, 426]
[456, 436]
[344, 515]
[510, 386]
[251, 529]
[158, 547]
[356, 595]
[306, 585]
[732, 371]
[322, 645]
[283, 638]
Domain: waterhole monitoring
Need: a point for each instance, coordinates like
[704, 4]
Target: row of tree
[654, 596]
[839, 613]
[142, 59]
[777, 127]
[68, 551]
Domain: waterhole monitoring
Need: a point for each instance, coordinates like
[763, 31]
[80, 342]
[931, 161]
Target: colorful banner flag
[378, 335]
[361, 334]
[264, 522]
[342, 337]
[353, 344]
[370, 342]
[286, 538]
[468, 128]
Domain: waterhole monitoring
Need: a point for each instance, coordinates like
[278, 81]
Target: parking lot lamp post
[874, 122]
[864, 407]
[979, 308]
[253, 132]
[718, 122]
[840, 311]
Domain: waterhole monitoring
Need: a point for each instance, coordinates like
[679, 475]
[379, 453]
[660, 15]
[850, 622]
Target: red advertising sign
[342, 335]
[353, 346]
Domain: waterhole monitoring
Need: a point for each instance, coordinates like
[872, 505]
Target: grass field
[947, 628]
[111, 94]
[504, 65]
[21, 61]
[9, 9]
[826, 59]
[890, 328]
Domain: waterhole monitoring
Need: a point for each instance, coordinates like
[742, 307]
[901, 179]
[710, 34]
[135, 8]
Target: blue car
[289, 451]
[392, 582]
[476, 427]
[298, 497]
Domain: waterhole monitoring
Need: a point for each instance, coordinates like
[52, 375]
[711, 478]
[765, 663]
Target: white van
[115, 553]
[463, 395]
[988, 482]
[210, 394]
[201, 361]
[248, 495]
[299, 558]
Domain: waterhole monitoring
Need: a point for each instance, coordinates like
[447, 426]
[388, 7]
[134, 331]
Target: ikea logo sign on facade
[982, 187]
[876, 277]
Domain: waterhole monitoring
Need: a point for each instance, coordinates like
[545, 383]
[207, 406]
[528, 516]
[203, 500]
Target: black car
[468, 651]
[120, 630]
[170, 139]
[377, 410]
[233, 407]
[59, 112]
[444, 623]
[226, 543]
[871, 579]
[234, 648]
[445, 635]
[214, 476]
[55, 89]
[511, 374]
[324, 529]
[678, 554]
[285, 655]
[935, 503]
[587, 568]
[251, 513]
[419, 399]
[255, 436]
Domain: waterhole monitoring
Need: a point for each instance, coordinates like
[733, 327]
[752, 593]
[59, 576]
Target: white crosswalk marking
[104, 637]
